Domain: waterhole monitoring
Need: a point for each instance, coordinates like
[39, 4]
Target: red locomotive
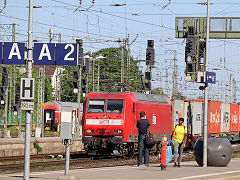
[109, 120]
[52, 113]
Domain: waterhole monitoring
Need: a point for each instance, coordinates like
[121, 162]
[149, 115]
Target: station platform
[188, 170]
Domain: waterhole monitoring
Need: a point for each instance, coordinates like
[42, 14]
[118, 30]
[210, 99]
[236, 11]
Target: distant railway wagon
[109, 120]
[223, 119]
[52, 113]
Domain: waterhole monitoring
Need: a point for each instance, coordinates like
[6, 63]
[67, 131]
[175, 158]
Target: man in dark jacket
[143, 125]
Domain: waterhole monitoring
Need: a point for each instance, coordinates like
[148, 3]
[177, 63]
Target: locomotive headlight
[117, 131]
[90, 131]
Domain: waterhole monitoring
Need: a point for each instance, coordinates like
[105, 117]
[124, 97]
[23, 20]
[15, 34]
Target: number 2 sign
[66, 54]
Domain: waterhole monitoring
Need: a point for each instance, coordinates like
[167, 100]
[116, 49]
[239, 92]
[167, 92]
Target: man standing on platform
[143, 125]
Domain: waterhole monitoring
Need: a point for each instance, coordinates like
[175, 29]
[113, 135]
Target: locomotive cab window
[115, 106]
[96, 105]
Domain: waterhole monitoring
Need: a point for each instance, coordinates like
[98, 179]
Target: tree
[110, 74]
[110, 68]
[159, 91]
[67, 93]
[179, 95]
[48, 90]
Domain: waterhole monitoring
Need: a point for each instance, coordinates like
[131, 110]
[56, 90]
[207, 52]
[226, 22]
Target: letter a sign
[44, 54]
[13, 53]
[27, 88]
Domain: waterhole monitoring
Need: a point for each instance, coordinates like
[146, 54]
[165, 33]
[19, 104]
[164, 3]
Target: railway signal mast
[150, 61]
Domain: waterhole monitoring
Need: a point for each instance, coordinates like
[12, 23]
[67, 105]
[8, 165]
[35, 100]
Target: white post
[29, 75]
[205, 124]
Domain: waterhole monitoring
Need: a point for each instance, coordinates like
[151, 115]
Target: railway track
[37, 156]
[18, 158]
[84, 163]
[18, 166]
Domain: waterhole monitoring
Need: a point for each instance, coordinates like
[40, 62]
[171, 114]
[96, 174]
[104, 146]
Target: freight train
[109, 120]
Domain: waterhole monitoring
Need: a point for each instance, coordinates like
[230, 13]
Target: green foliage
[110, 74]
[158, 91]
[67, 85]
[236, 156]
[110, 70]
[179, 95]
[48, 90]
[36, 146]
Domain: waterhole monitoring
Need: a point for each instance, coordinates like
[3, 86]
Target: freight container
[234, 118]
[197, 118]
[214, 117]
[225, 117]
[178, 111]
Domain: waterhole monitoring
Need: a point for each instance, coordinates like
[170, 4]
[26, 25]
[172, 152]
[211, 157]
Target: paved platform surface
[188, 170]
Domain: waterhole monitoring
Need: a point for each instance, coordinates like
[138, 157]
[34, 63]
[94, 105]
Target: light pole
[99, 58]
[205, 122]
[29, 75]
[87, 59]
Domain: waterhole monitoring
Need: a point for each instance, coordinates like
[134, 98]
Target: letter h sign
[27, 88]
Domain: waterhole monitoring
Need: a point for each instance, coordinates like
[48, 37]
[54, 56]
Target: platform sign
[66, 54]
[28, 106]
[210, 77]
[44, 54]
[13, 53]
[27, 88]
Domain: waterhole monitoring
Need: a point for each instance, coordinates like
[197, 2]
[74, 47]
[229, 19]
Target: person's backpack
[149, 139]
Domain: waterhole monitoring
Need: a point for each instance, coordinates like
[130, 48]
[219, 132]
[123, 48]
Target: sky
[100, 25]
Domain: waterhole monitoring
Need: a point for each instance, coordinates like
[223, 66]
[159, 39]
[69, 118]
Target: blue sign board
[44, 54]
[66, 54]
[13, 53]
[210, 77]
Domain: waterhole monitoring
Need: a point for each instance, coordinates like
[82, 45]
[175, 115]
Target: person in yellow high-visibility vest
[179, 135]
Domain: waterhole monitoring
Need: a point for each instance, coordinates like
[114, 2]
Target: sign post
[29, 75]
[205, 121]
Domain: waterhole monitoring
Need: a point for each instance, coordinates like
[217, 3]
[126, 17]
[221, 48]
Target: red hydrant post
[164, 153]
